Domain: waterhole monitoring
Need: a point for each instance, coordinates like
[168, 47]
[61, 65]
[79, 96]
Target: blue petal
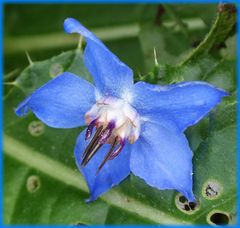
[111, 76]
[185, 103]
[162, 157]
[112, 173]
[60, 103]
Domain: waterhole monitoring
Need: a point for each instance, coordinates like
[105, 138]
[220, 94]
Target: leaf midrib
[60, 172]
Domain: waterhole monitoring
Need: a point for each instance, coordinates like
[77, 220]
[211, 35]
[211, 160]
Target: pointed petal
[185, 103]
[60, 103]
[111, 76]
[112, 173]
[162, 157]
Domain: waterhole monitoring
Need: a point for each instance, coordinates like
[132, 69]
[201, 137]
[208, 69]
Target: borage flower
[131, 127]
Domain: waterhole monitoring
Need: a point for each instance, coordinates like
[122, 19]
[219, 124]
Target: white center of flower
[119, 113]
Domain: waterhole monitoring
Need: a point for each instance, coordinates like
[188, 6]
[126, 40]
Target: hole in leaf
[192, 205]
[219, 218]
[185, 206]
[33, 183]
[36, 128]
[212, 189]
[182, 199]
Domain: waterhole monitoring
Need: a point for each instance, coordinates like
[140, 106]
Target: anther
[106, 133]
[100, 138]
[87, 158]
[91, 144]
[90, 129]
[108, 155]
[118, 150]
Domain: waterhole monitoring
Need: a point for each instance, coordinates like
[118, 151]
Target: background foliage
[191, 41]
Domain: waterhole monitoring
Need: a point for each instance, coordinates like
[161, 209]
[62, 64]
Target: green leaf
[40, 72]
[221, 73]
[231, 47]
[222, 116]
[226, 113]
[46, 168]
[169, 45]
[58, 197]
[215, 172]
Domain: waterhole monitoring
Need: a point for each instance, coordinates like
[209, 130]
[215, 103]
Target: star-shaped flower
[131, 127]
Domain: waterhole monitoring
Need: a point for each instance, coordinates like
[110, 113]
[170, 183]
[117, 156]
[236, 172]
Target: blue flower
[136, 128]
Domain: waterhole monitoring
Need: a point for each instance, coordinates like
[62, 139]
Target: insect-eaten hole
[36, 128]
[33, 183]
[212, 189]
[185, 206]
[182, 199]
[55, 70]
[218, 218]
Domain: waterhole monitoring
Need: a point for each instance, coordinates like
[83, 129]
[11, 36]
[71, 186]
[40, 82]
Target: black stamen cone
[107, 156]
[91, 144]
[87, 158]
[101, 136]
